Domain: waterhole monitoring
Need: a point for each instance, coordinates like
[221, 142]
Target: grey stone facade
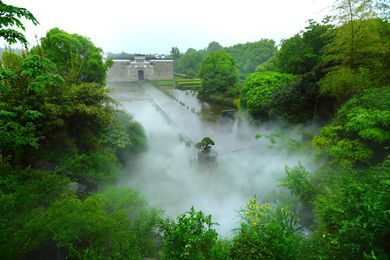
[140, 69]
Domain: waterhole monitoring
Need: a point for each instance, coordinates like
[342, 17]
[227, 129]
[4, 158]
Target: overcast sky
[154, 26]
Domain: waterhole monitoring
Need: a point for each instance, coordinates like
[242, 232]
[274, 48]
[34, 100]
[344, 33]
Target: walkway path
[228, 138]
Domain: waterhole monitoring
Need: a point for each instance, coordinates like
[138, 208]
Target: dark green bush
[114, 224]
[101, 167]
[353, 211]
[301, 101]
[258, 88]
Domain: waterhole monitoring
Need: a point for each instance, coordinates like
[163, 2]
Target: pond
[208, 112]
[169, 174]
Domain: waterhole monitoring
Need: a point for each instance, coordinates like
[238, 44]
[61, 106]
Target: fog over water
[170, 176]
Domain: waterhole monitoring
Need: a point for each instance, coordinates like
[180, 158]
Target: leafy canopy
[302, 52]
[218, 72]
[359, 57]
[76, 57]
[10, 17]
[258, 88]
[205, 144]
[28, 90]
[360, 133]
[252, 54]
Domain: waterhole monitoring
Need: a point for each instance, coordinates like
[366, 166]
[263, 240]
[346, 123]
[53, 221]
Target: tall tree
[218, 72]
[175, 53]
[29, 101]
[213, 47]
[302, 52]
[359, 51]
[351, 14]
[76, 57]
[190, 62]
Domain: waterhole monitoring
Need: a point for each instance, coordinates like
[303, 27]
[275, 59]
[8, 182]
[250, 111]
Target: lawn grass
[180, 83]
[163, 83]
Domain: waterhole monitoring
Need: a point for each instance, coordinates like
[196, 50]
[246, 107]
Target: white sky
[154, 26]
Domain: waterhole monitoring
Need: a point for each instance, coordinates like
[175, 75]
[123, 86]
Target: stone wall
[126, 71]
[119, 71]
[163, 69]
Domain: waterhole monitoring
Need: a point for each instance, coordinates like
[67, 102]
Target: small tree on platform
[205, 144]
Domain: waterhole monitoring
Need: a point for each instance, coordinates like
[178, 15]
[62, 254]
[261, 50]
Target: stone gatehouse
[140, 69]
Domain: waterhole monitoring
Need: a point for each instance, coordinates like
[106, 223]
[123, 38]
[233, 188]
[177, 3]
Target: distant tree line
[248, 56]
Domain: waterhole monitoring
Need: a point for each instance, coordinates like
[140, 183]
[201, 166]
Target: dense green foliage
[220, 68]
[301, 101]
[218, 72]
[61, 138]
[192, 237]
[29, 97]
[332, 63]
[302, 55]
[219, 76]
[189, 62]
[248, 56]
[258, 88]
[302, 52]
[360, 132]
[352, 211]
[267, 232]
[11, 18]
[77, 58]
[63, 142]
[38, 207]
[118, 217]
[252, 54]
[299, 182]
[39, 109]
[25, 196]
[361, 61]
[343, 69]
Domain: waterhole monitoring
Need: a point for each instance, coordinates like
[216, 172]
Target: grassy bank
[180, 83]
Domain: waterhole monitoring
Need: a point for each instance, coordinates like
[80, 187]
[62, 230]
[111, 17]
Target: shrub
[192, 237]
[267, 232]
[100, 166]
[299, 182]
[124, 134]
[115, 224]
[301, 101]
[24, 197]
[221, 250]
[353, 211]
[360, 132]
[258, 88]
